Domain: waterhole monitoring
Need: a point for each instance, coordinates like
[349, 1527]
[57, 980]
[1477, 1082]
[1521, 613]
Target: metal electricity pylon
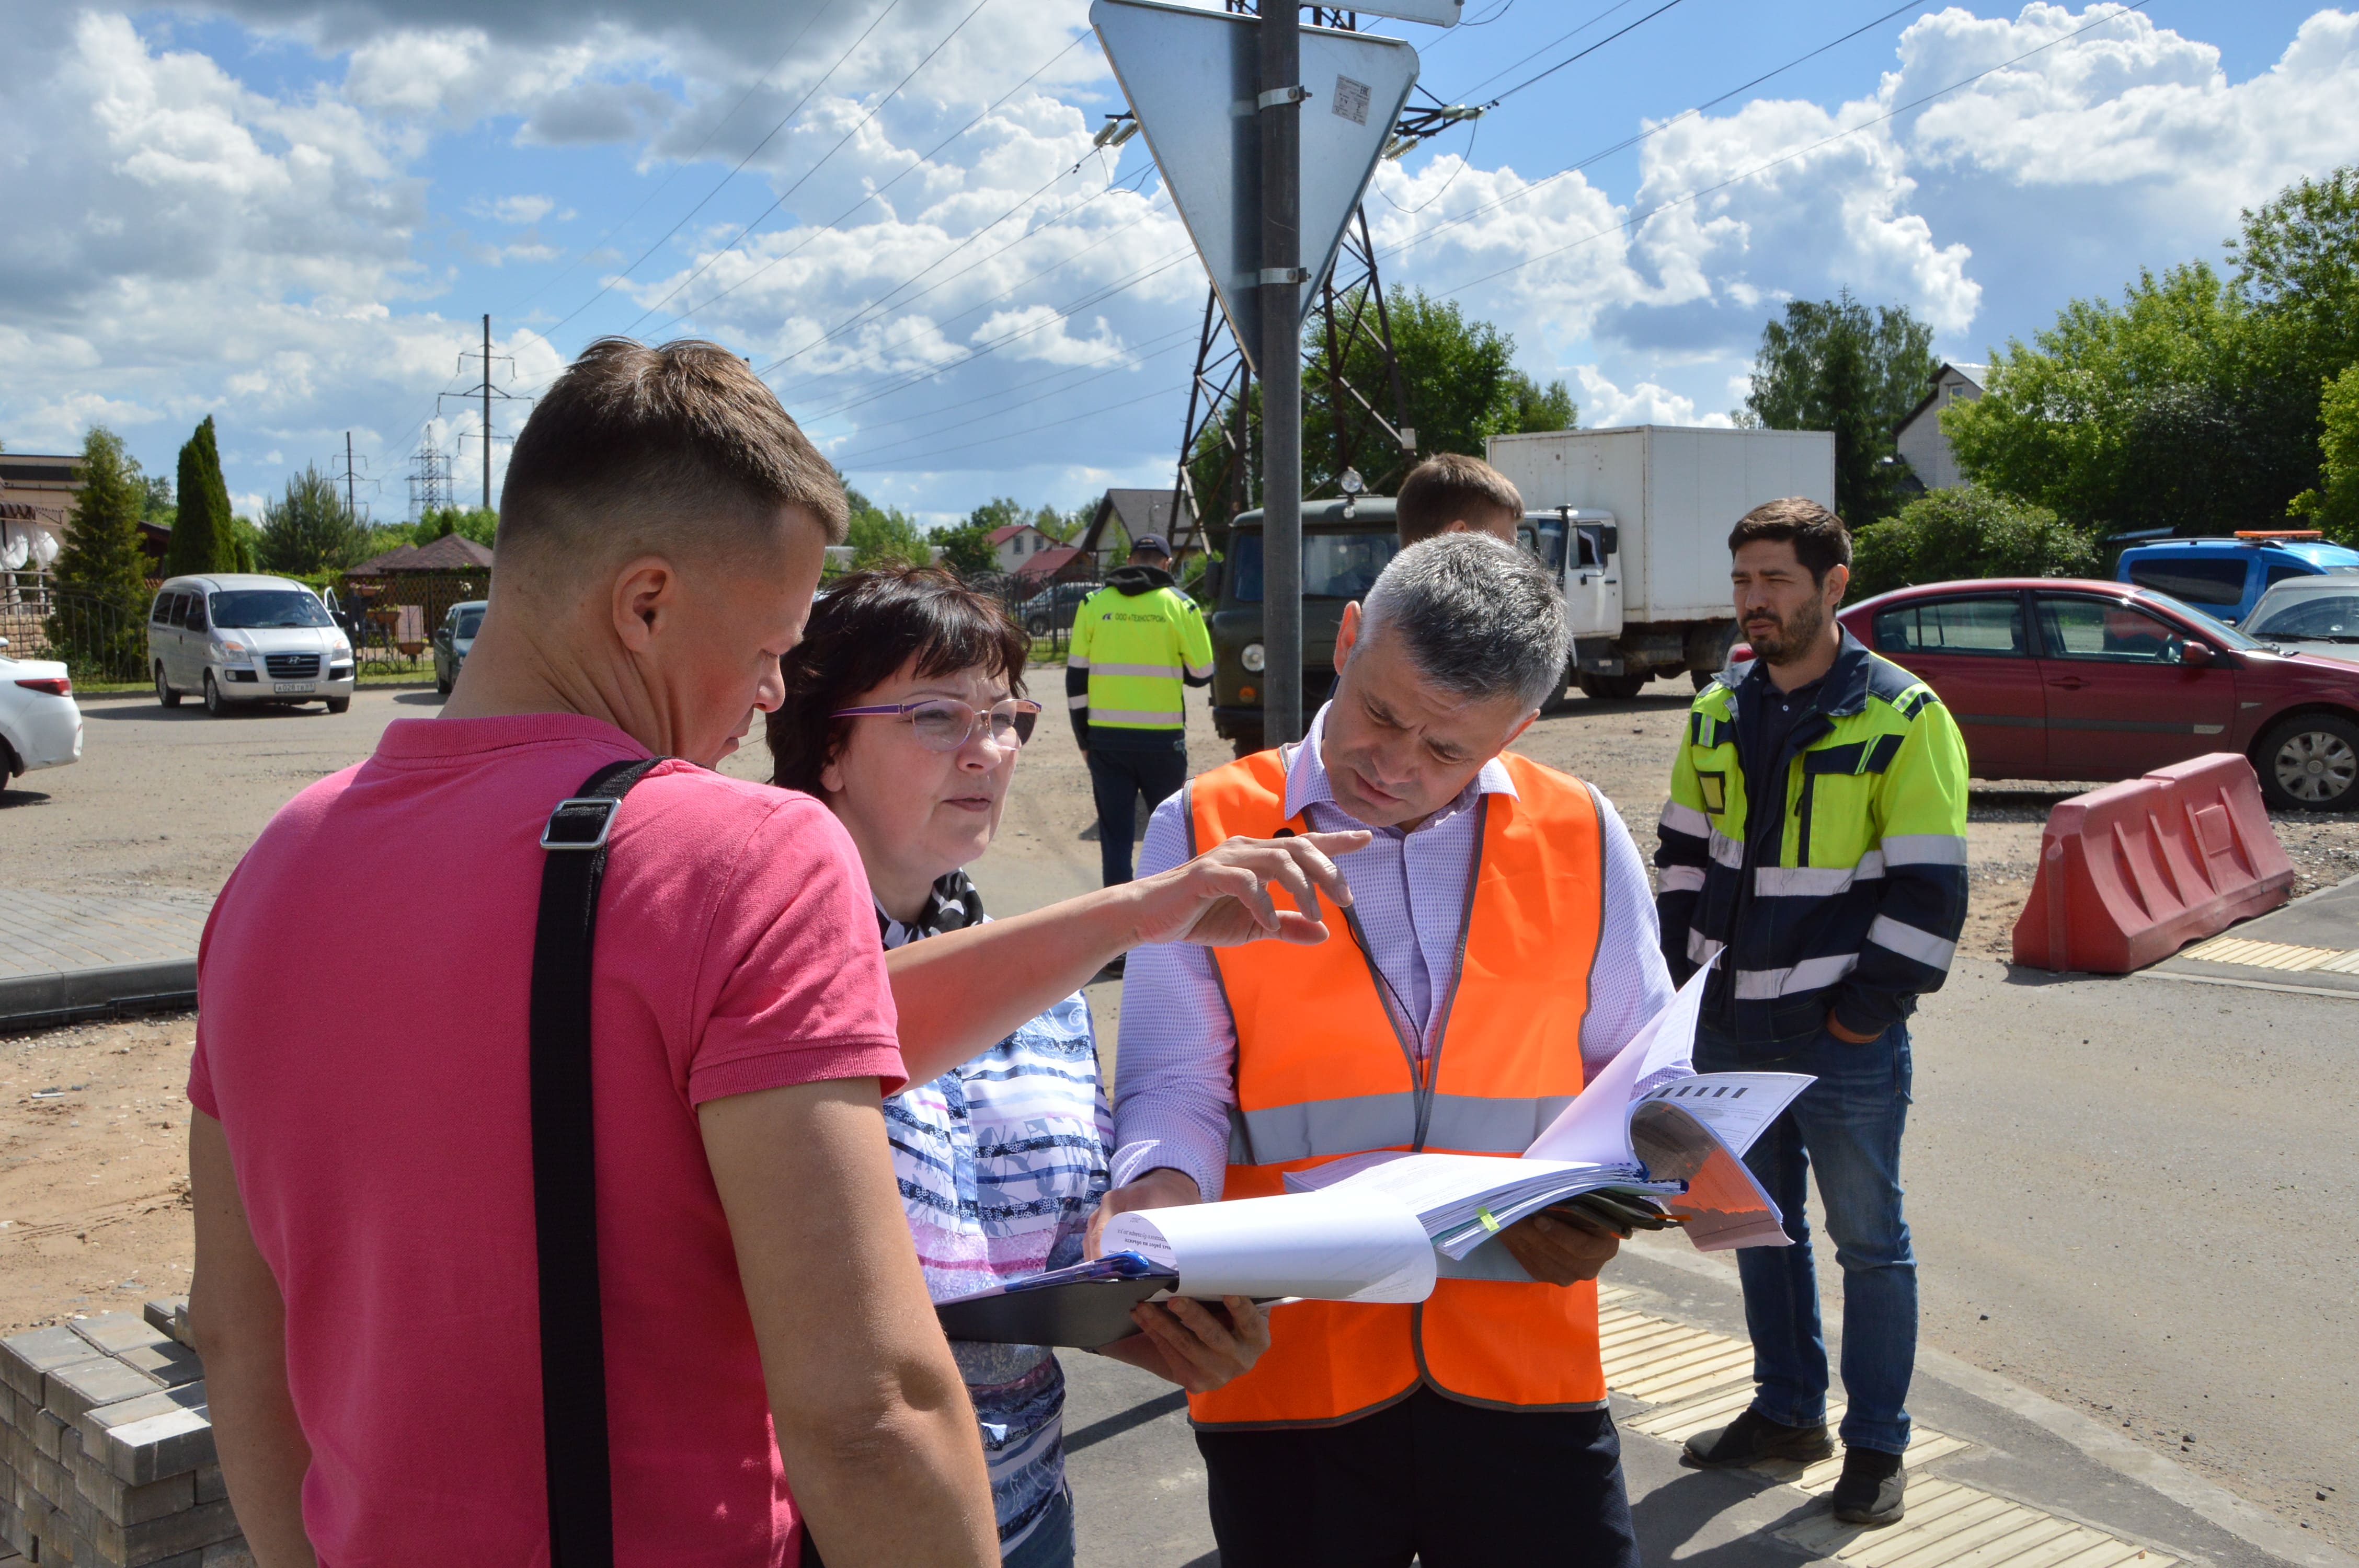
[485, 391]
[430, 478]
[1350, 424]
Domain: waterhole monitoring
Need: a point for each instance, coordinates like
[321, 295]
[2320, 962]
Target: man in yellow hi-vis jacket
[1815, 841]
[1138, 641]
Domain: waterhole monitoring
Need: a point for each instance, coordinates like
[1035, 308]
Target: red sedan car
[2060, 678]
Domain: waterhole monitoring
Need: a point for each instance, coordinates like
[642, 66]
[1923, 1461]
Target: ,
[2226, 577]
[238, 637]
[2060, 678]
[2315, 615]
[40, 727]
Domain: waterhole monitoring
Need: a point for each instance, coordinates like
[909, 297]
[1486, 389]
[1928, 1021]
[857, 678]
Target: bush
[307, 530]
[100, 626]
[1948, 536]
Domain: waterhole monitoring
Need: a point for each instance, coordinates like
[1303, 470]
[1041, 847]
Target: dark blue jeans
[1121, 770]
[1847, 1126]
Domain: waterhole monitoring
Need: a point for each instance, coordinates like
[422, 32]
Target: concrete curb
[62, 995]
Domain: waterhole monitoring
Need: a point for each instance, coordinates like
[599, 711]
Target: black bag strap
[565, 1171]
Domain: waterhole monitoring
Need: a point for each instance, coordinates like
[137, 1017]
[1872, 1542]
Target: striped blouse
[1000, 1162]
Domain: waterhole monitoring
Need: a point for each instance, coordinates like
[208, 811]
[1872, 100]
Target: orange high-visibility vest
[1323, 1070]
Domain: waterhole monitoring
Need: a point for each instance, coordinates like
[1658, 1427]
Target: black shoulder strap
[565, 1171]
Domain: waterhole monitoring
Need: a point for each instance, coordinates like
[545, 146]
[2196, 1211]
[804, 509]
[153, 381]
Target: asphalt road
[2135, 1197]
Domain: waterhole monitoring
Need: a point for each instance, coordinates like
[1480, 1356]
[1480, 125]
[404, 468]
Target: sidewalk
[65, 955]
[1999, 1477]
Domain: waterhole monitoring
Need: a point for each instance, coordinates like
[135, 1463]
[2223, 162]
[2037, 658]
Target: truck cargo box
[1675, 491]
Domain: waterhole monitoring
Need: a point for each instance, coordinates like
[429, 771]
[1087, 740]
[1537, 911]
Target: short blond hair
[637, 451]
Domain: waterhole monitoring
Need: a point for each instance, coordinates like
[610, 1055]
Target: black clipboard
[1083, 1314]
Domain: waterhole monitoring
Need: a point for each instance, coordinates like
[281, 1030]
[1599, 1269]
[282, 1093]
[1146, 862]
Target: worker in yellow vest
[1137, 643]
[1504, 947]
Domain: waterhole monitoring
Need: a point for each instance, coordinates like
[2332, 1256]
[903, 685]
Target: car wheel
[1612, 689]
[213, 703]
[442, 685]
[1038, 625]
[339, 703]
[164, 692]
[1702, 678]
[2310, 763]
[1248, 741]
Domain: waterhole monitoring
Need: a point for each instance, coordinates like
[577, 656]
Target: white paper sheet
[1595, 1127]
[1427, 1183]
[1735, 1106]
[1343, 1246]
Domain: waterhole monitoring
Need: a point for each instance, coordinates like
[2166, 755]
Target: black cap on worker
[1151, 544]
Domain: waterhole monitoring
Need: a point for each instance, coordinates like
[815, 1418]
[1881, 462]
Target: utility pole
[487, 391]
[1281, 279]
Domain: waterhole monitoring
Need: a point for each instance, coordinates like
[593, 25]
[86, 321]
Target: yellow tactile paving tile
[2257, 955]
[1695, 1379]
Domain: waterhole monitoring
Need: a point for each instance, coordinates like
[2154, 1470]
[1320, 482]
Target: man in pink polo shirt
[367, 1288]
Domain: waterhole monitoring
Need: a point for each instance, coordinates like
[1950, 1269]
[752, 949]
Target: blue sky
[292, 215]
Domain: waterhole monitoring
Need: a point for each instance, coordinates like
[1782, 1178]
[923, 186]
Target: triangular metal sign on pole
[1191, 79]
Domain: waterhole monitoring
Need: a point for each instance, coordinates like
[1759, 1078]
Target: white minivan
[240, 637]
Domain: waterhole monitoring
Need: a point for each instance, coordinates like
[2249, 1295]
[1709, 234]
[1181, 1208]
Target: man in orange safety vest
[1502, 947]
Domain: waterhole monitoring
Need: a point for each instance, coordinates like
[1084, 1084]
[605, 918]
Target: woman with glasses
[904, 713]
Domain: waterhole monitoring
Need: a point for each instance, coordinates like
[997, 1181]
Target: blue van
[2225, 578]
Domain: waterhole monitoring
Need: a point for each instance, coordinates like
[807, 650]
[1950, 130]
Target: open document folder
[1343, 1246]
[1378, 1227]
[1650, 1125]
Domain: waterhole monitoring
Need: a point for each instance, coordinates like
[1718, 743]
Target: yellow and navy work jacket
[1848, 889]
[1137, 642]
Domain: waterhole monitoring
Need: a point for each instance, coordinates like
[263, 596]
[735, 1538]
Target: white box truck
[1635, 522]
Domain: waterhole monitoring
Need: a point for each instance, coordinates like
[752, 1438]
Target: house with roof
[1017, 545]
[1122, 516]
[1919, 438]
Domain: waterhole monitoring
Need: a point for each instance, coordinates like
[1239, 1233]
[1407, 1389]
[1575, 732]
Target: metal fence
[96, 639]
[1043, 609]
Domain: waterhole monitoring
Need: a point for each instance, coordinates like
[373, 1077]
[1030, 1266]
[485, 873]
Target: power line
[683, 165]
[1583, 54]
[608, 287]
[875, 310]
[923, 159]
[1560, 37]
[1627, 143]
[1692, 196]
[858, 125]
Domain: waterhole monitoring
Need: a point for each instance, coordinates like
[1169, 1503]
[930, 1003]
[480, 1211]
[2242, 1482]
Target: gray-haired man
[1501, 911]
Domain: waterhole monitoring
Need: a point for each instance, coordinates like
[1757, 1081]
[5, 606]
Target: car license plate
[284, 686]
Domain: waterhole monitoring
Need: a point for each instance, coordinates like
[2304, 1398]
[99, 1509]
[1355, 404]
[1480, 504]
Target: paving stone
[116, 1332]
[46, 1433]
[169, 1363]
[138, 1545]
[121, 1503]
[168, 1315]
[25, 1358]
[153, 1436]
[229, 1554]
[70, 1391]
[210, 1487]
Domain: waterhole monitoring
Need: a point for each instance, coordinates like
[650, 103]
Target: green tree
[102, 575]
[2162, 411]
[308, 529]
[479, 523]
[996, 512]
[2333, 506]
[202, 539]
[1946, 535]
[966, 549]
[1834, 364]
[1460, 386]
[878, 535]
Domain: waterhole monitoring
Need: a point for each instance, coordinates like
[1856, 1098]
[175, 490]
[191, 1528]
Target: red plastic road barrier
[2132, 872]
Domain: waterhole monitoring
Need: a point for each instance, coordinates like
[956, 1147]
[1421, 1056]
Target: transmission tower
[351, 476]
[430, 478]
[487, 391]
[1218, 473]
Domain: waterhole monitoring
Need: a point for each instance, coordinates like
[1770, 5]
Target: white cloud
[1602, 404]
[521, 211]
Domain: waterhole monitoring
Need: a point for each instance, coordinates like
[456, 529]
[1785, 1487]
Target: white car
[236, 637]
[40, 727]
[2317, 615]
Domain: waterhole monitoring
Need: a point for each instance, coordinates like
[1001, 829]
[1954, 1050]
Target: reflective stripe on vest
[1323, 1070]
[1136, 657]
